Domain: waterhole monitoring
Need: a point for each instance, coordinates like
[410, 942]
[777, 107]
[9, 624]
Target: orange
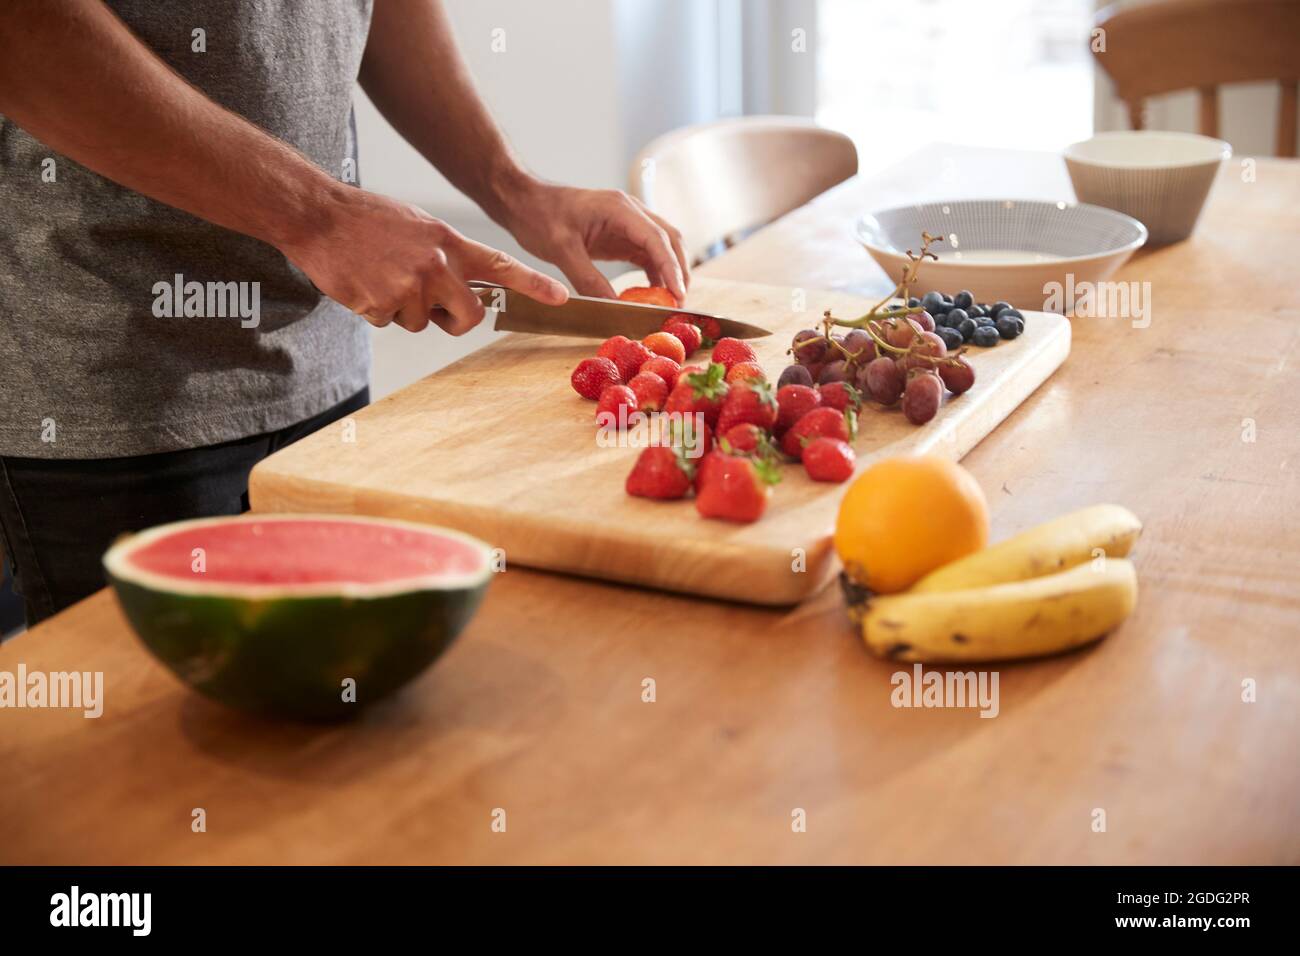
[904, 517]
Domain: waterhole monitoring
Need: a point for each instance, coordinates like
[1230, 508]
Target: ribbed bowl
[1160, 179]
[1003, 249]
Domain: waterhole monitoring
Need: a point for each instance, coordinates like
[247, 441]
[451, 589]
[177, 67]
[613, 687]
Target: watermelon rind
[286, 650]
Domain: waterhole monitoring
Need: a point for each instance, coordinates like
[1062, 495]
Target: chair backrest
[1164, 46]
[719, 179]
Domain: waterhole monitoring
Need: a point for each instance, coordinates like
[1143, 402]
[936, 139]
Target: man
[146, 147]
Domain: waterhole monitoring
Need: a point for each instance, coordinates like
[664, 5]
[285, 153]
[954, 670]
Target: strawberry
[615, 404]
[664, 367]
[594, 375]
[710, 328]
[610, 346]
[702, 392]
[629, 356]
[687, 333]
[648, 389]
[840, 395]
[829, 459]
[748, 402]
[745, 370]
[793, 402]
[747, 439]
[665, 343]
[660, 472]
[649, 295]
[733, 351]
[733, 488]
[819, 423]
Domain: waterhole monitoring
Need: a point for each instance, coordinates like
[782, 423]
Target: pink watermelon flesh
[309, 551]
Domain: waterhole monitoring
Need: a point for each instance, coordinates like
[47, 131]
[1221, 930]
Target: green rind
[289, 656]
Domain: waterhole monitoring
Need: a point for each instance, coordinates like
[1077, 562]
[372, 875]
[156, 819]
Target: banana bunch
[1060, 585]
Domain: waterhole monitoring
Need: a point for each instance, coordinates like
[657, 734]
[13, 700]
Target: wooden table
[758, 713]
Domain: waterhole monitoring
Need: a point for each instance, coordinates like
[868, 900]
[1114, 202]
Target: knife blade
[590, 317]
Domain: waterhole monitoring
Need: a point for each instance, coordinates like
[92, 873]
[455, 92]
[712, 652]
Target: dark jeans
[57, 518]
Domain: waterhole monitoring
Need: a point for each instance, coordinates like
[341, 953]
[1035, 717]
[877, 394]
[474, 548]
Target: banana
[1053, 546]
[1042, 615]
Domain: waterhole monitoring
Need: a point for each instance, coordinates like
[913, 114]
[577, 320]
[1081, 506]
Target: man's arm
[75, 77]
[414, 73]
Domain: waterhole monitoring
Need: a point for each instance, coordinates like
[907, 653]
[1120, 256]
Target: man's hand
[571, 227]
[391, 262]
[415, 74]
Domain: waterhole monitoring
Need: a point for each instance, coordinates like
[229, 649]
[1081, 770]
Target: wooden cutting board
[500, 446]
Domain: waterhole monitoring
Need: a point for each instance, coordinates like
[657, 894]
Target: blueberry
[997, 308]
[956, 317]
[963, 299]
[1009, 326]
[976, 311]
[951, 337]
[913, 302]
[941, 321]
[931, 301]
[1012, 312]
[985, 336]
[967, 329]
[983, 321]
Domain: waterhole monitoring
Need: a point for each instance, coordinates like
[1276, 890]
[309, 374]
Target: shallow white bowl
[1159, 178]
[1003, 249]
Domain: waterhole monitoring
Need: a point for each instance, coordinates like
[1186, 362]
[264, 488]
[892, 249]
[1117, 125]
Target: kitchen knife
[590, 317]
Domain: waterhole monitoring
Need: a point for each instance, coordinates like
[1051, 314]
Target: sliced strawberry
[649, 295]
[593, 376]
[732, 352]
[748, 402]
[649, 390]
[709, 327]
[793, 402]
[665, 343]
[660, 472]
[821, 422]
[829, 459]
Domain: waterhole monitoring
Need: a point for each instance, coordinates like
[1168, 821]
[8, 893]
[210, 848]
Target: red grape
[924, 319]
[883, 380]
[957, 374]
[809, 347]
[921, 397]
[900, 332]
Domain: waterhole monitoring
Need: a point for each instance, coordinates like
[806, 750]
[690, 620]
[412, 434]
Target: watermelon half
[275, 613]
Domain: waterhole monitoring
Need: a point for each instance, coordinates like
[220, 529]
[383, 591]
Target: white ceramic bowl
[1003, 249]
[1159, 178]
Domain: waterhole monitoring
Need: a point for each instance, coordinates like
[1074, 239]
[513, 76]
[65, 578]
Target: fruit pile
[747, 428]
[922, 585]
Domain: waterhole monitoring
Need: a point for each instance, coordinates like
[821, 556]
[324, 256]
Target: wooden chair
[719, 180]
[1165, 46]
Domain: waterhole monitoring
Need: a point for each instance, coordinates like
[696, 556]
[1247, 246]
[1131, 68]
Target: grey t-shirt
[90, 364]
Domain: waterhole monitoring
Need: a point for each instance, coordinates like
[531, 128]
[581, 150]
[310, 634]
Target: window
[895, 76]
